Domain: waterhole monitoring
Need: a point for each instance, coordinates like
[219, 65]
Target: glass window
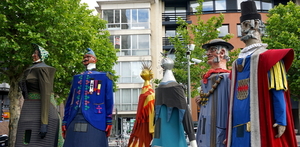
[220, 4]
[127, 99]
[128, 72]
[238, 29]
[127, 19]
[223, 30]
[208, 5]
[193, 6]
[132, 45]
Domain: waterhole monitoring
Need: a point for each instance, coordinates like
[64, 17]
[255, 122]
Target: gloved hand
[63, 129]
[43, 131]
[193, 143]
[108, 129]
[280, 128]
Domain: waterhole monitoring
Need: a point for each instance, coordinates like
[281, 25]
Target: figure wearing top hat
[214, 96]
[88, 111]
[260, 109]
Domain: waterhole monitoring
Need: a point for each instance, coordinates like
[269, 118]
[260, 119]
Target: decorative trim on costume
[251, 49]
[204, 97]
[277, 78]
[243, 89]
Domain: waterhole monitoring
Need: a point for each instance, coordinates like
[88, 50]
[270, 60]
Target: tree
[64, 28]
[197, 33]
[282, 28]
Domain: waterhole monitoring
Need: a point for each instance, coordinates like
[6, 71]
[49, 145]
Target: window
[223, 30]
[238, 29]
[129, 72]
[131, 45]
[127, 19]
[127, 99]
[263, 5]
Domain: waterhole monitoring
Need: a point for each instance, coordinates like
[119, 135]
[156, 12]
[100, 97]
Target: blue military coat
[92, 92]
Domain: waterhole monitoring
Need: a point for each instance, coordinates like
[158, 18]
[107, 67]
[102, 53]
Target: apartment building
[140, 30]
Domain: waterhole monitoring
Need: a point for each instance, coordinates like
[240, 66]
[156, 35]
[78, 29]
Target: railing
[173, 16]
[167, 42]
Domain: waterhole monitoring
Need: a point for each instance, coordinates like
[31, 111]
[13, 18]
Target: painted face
[250, 29]
[211, 54]
[88, 58]
[35, 56]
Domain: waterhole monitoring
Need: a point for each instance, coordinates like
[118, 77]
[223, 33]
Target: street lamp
[190, 48]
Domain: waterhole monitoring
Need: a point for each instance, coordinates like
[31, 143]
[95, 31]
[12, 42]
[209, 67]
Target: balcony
[167, 45]
[171, 18]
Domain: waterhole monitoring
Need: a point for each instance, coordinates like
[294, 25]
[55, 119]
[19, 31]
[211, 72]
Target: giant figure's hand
[280, 129]
[193, 143]
[107, 130]
[43, 131]
[197, 100]
[63, 129]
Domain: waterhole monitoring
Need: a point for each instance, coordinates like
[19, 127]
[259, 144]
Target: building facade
[140, 31]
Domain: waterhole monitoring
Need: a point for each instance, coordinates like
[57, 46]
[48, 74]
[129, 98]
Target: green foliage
[283, 31]
[65, 28]
[198, 34]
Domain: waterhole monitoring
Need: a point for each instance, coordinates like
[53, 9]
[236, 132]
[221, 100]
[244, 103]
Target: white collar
[250, 49]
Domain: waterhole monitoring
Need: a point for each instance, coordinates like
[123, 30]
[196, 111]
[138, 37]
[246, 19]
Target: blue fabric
[92, 138]
[204, 121]
[279, 107]
[96, 109]
[171, 132]
[241, 110]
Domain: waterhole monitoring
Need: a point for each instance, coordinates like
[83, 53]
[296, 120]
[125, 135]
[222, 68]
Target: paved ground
[116, 143]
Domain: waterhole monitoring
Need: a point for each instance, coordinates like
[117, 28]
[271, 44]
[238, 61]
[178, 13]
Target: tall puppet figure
[88, 111]
[172, 115]
[260, 109]
[214, 96]
[39, 119]
[143, 128]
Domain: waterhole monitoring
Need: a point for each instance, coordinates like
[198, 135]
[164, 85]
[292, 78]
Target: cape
[172, 116]
[143, 128]
[261, 110]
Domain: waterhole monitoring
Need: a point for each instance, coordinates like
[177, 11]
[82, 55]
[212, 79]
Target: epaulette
[109, 75]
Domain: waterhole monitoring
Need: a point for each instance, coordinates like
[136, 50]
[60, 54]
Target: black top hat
[249, 11]
[217, 42]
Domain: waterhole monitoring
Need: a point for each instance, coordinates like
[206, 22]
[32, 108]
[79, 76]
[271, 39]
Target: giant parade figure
[39, 119]
[214, 96]
[88, 111]
[172, 115]
[143, 128]
[260, 109]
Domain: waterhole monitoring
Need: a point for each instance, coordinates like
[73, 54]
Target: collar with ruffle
[250, 49]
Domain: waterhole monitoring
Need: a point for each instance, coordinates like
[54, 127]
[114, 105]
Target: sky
[92, 4]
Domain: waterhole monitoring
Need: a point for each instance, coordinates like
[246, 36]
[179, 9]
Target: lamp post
[190, 48]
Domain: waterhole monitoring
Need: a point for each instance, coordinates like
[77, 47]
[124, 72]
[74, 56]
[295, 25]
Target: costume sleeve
[69, 101]
[277, 86]
[151, 98]
[46, 86]
[188, 125]
[109, 102]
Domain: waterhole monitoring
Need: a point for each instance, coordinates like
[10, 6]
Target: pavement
[115, 142]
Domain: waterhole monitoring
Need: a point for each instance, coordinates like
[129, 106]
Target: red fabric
[211, 71]
[140, 133]
[268, 133]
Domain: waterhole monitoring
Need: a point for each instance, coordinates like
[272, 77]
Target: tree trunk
[14, 109]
